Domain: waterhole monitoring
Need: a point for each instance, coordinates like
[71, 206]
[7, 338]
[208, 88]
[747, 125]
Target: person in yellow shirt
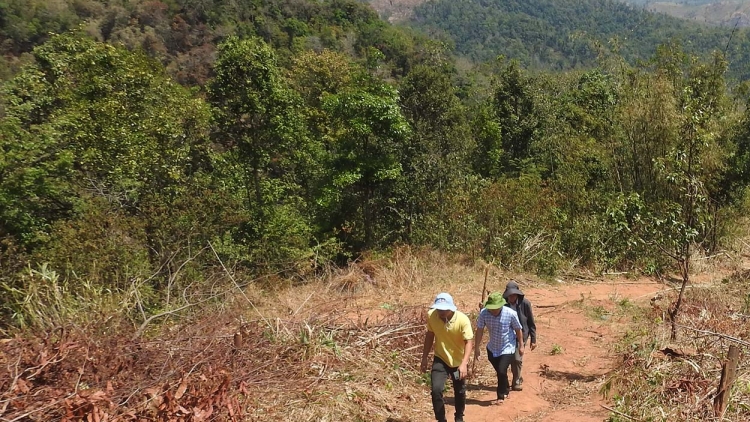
[449, 330]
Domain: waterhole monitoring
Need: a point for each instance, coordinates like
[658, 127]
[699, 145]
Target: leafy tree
[515, 109]
[316, 75]
[683, 219]
[355, 119]
[437, 154]
[95, 131]
[91, 116]
[259, 122]
[487, 160]
[368, 133]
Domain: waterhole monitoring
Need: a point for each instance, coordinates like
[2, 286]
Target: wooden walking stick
[481, 304]
[484, 288]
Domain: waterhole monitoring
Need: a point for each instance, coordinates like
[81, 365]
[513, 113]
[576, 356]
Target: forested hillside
[710, 12]
[151, 143]
[182, 34]
[571, 34]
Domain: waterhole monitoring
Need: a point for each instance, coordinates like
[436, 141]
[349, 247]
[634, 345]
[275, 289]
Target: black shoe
[517, 387]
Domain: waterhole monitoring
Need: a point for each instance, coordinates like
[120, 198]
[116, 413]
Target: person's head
[494, 303]
[444, 306]
[512, 293]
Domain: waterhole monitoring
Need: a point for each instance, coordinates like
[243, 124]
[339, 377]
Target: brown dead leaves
[195, 371]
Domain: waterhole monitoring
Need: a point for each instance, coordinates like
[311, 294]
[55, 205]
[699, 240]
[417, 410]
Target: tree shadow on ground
[452, 402]
[482, 403]
[568, 376]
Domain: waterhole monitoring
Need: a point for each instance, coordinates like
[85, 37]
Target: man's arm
[464, 368]
[478, 342]
[429, 339]
[515, 325]
[519, 341]
[530, 322]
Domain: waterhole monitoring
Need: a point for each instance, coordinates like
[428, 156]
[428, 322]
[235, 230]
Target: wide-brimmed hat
[494, 301]
[444, 302]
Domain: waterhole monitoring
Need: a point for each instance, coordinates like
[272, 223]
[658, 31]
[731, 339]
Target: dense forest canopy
[150, 141]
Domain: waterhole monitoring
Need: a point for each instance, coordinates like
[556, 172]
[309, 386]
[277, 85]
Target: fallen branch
[148, 320]
[692, 286]
[619, 413]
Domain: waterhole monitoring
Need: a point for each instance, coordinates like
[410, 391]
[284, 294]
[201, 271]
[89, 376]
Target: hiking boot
[517, 387]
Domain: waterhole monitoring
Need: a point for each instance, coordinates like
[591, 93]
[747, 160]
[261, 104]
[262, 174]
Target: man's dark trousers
[440, 373]
[501, 364]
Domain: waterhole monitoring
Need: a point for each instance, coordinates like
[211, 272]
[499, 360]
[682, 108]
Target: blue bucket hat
[444, 302]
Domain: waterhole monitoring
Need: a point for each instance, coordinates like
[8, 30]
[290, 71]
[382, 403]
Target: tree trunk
[728, 375]
[685, 272]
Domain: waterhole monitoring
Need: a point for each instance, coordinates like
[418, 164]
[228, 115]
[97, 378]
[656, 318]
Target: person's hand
[423, 366]
[463, 370]
[533, 346]
[477, 352]
[520, 351]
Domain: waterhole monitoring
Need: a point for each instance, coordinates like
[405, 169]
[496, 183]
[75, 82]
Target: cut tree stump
[728, 374]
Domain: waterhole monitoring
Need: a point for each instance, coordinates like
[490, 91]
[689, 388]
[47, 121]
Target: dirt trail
[576, 325]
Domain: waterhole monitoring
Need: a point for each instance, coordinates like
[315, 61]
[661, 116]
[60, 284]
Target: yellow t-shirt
[451, 337]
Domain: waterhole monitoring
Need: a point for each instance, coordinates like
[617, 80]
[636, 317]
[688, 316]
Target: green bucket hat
[494, 301]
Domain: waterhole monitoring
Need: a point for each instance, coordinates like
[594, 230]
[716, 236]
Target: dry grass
[344, 346]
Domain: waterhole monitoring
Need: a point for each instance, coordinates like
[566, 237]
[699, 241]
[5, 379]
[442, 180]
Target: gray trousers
[515, 368]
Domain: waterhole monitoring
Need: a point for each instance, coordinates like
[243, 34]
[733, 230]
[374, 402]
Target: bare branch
[231, 277]
[713, 333]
